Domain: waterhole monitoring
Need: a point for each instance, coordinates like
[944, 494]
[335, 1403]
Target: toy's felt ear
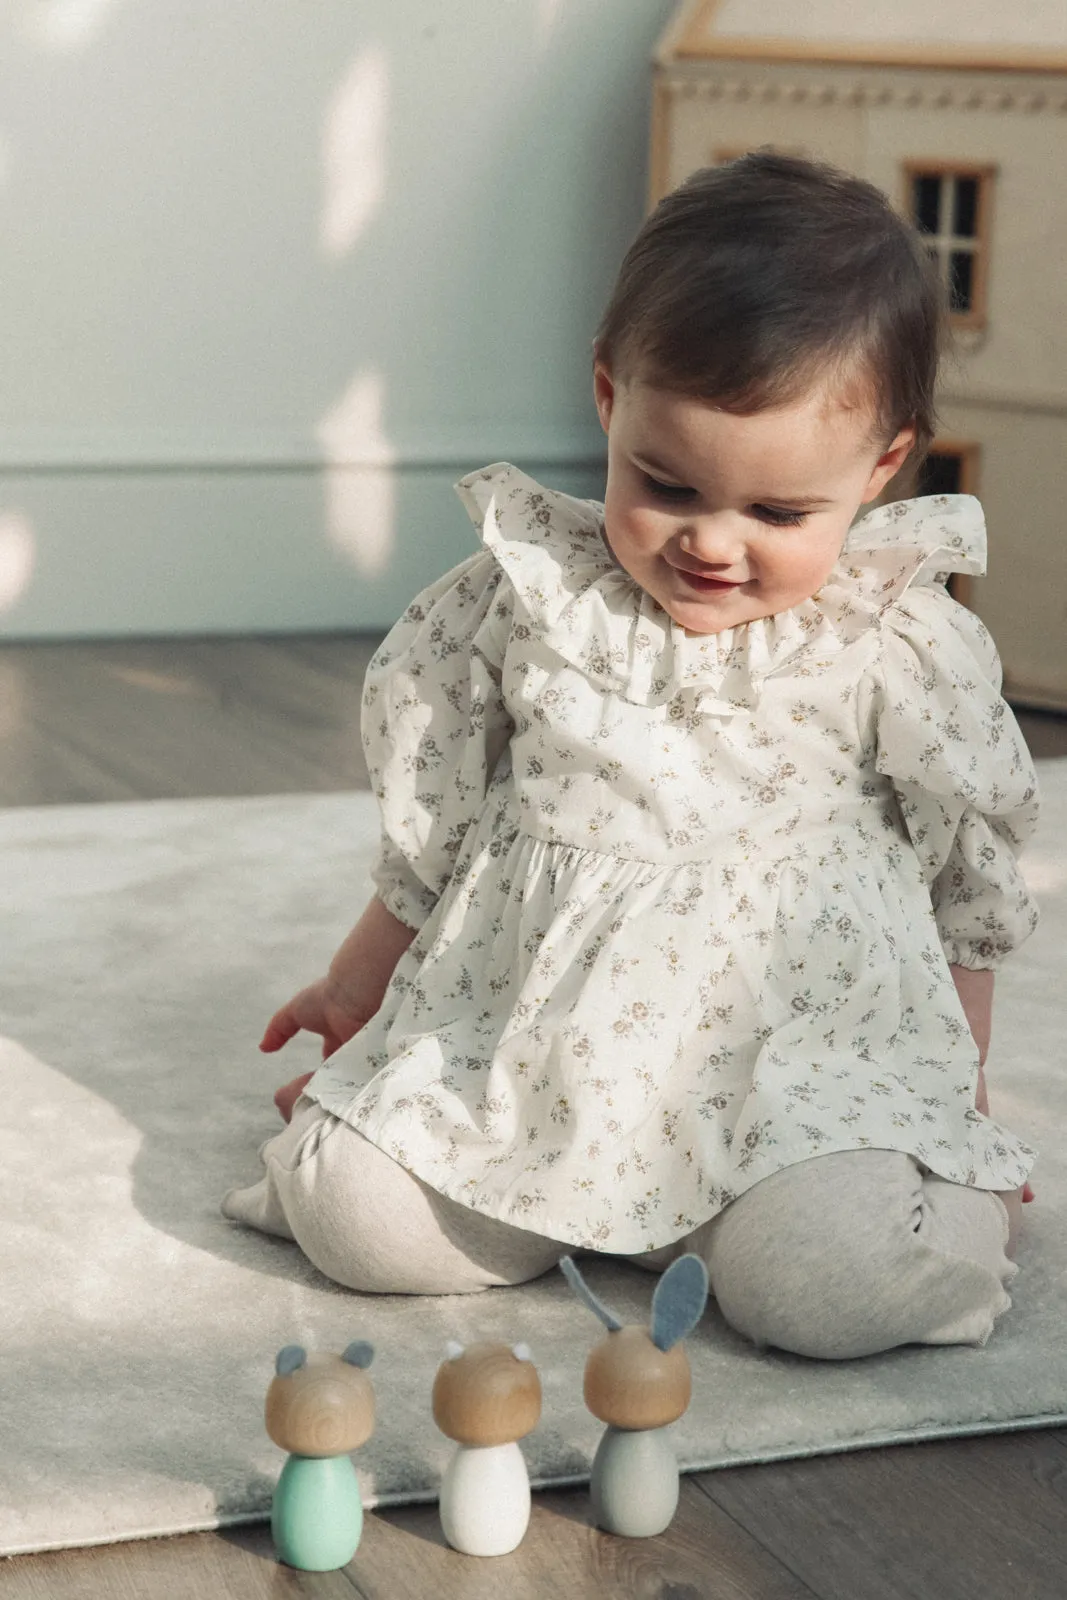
[583, 1291]
[522, 1352]
[290, 1359]
[359, 1353]
[453, 1350]
[678, 1303]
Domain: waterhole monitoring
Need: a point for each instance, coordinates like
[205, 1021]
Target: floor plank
[236, 1564]
[955, 1519]
[174, 718]
[704, 1555]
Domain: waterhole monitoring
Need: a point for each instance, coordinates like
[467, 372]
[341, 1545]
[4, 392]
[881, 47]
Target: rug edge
[373, 1502]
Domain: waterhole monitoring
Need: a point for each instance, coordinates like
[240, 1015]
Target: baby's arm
[975, 989]
[342, 1002]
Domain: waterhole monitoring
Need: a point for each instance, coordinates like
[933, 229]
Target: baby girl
[700, 813]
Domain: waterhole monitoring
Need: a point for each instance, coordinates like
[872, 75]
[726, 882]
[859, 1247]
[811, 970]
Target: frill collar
[573, 593]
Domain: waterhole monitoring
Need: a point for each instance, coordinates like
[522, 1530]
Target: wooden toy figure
[486, 1397]
[319, 1407]
[637, 1381]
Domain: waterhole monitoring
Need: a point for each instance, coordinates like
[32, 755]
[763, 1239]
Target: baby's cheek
[649, 532]
[805, 567]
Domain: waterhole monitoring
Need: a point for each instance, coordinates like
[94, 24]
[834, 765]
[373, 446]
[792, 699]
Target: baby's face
[724, 519]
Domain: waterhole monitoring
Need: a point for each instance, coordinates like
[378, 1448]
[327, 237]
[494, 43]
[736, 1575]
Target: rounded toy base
[317, 1515]
[634, 1485]
[485, 1500]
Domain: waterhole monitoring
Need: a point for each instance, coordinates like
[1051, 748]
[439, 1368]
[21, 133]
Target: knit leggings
[838, 1256]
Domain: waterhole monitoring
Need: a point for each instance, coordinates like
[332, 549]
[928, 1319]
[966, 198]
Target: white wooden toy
[486, 1397]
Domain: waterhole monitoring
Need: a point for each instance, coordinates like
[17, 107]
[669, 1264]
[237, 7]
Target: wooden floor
[975, 1519]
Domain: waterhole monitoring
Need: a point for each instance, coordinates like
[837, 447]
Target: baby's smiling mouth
[707, 580]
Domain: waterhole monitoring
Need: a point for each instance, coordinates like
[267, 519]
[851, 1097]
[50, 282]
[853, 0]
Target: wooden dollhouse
[958, 112]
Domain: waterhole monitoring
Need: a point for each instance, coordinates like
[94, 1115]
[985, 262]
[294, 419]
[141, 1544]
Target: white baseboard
[102, 554]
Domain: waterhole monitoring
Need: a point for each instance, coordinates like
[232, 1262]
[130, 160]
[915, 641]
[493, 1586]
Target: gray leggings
[838, 1256]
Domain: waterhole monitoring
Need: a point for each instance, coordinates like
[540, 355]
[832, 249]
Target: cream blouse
[685, 903]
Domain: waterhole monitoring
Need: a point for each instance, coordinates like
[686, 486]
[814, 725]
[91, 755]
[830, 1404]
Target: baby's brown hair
[755, 280]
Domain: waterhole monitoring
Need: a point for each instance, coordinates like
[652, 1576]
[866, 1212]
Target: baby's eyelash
[667, 491]
[779, 519]
[681, 492]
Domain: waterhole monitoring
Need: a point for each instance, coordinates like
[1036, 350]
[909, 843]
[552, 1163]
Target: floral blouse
[685, 903]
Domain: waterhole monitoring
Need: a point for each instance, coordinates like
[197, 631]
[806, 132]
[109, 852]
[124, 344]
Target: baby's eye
[778, 518]
[667, 491]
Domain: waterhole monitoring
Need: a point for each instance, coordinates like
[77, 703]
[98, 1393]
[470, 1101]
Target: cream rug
[143, 948]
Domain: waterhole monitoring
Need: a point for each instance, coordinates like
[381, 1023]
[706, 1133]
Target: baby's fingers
[280, 1029]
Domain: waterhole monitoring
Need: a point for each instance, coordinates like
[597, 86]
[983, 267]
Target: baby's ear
[603, 391]
[889, 463]
[679, 1300]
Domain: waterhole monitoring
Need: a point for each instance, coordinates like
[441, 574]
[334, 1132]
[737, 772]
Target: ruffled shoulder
[570, 589]
[914, 541]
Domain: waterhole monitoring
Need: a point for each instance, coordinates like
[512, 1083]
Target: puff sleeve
[434, 726]
[963, 777]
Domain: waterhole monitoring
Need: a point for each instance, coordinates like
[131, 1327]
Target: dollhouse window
[950, 468]
[950, 207]
[943, 472]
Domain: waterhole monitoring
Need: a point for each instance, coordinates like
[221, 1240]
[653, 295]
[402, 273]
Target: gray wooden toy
[637, 1380]
[486, 1397]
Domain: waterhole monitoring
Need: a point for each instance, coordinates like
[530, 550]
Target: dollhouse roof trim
[1028, 37]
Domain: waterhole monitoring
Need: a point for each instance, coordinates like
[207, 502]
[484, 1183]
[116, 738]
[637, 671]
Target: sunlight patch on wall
[359, 476]
[547, 17]
[16, 557]
[353, 152]
[67, 24]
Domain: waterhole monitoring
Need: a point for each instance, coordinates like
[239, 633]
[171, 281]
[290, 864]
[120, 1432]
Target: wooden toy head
[639, 1377]
[631, 1383]
[487, 1394]
[319, 1404]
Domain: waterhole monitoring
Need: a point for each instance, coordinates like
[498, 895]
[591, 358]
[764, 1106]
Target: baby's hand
[321, 1008]
[982, 1104]
[286, 1097]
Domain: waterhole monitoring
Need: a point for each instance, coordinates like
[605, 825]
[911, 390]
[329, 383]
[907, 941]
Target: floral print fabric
[685, 903]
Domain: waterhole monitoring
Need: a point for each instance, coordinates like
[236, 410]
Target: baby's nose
[714, 542]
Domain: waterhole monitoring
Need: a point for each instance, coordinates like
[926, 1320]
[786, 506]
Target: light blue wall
[276, 272]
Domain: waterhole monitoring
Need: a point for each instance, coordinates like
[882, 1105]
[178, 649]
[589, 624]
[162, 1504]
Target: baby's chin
[700, 620]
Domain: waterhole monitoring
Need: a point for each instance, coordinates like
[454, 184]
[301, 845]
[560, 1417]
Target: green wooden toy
[319, 1407]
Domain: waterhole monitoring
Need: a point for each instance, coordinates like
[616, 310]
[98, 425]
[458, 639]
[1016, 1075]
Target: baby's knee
[798, 1292]
[359, 1217]
[839, 1281]
[371, 1225]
